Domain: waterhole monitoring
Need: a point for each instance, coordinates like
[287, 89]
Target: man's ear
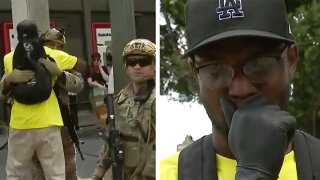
[292, 59]
[191, 63]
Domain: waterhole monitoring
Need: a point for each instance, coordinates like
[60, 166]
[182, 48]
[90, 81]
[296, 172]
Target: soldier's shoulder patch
[121, 98]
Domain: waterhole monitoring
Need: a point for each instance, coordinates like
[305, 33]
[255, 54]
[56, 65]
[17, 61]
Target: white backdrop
[175, 121]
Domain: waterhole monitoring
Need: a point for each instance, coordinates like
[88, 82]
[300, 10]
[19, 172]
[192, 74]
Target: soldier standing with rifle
[130, 140]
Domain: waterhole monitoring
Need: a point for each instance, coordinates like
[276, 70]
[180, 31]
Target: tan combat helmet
[140, 47]
[56, 36]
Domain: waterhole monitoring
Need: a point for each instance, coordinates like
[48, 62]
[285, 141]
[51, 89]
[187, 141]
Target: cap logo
[229, 9]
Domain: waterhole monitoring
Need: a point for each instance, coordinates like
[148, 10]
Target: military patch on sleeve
[229, 9]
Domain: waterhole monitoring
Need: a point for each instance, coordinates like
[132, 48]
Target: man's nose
[241, 87]
[137, 65]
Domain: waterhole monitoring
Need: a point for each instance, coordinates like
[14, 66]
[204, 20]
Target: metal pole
[35, 10]
[122, 31]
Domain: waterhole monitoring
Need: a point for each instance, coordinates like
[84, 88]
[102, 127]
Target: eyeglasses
[220, 75]
[141, 61]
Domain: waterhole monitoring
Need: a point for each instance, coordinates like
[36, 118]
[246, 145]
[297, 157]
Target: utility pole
[122, 31]
[34, 10]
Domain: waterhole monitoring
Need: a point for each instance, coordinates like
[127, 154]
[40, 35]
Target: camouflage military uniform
[73, 83]
[131, 119]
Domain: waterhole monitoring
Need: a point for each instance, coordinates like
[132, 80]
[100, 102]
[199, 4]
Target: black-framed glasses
[217, 75]
[141, 61]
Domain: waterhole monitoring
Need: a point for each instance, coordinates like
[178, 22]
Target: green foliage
[293, 4]
[174, 71]
[305, 26]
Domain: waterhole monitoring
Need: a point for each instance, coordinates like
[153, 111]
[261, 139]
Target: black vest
[197, 161]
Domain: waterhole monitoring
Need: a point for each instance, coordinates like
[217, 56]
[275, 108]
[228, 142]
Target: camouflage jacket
[136, 122]
[72, 85]
[131, 114]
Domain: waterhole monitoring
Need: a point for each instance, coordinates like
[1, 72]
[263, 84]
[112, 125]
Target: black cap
[27, 29]
[210, 20]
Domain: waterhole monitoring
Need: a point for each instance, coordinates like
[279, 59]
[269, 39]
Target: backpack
[39, 88]
[197, 161]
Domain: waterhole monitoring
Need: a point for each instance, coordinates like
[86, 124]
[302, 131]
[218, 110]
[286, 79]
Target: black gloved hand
[258, 136]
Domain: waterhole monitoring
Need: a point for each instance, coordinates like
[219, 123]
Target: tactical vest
[198, 161]
[136, 124]
[39, 88]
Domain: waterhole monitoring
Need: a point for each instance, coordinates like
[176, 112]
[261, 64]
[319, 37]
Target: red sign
[101, 35]
[8, 36]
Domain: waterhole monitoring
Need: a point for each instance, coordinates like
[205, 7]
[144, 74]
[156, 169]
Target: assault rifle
[74, 136]
[116, 154]
[68, 121]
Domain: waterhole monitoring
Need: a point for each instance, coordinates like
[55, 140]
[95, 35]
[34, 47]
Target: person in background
[98, 78]
[109, 58]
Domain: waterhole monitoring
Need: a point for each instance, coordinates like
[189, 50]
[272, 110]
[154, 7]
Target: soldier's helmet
[56, 36]
[140, 47]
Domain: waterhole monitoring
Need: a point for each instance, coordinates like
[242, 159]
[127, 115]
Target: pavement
[90, 148]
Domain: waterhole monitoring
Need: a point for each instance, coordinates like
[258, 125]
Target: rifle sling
[129, 138]
[142, 132]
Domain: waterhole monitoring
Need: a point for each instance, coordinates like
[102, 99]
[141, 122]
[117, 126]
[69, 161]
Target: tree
[304, 19]
[174, 72]
[306, 87]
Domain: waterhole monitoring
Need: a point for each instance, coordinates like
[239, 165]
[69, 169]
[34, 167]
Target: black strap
[307, 154]
[197, 161]
[142, 132]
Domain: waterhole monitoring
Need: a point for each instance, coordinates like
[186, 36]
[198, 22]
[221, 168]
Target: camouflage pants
[70, 159]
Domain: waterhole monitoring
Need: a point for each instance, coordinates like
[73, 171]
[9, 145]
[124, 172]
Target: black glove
[258, 137]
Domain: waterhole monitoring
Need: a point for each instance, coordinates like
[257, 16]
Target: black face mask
[26, 29]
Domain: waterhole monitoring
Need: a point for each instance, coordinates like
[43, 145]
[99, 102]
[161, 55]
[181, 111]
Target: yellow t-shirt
[226, 168]
[46, 113]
